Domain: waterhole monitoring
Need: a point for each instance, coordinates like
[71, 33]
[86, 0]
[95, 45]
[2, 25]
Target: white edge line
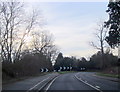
[37, 84]
[51, 83]
[88, 84]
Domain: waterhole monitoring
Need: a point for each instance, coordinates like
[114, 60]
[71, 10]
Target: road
[35, 83]
[101, 83]
[83, 81]
[80, 82]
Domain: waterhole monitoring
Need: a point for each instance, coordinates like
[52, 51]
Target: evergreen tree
[58, 61]
[113, 24]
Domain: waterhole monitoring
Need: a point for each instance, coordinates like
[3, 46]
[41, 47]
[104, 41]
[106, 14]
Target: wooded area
[82, 64]
[25, 47]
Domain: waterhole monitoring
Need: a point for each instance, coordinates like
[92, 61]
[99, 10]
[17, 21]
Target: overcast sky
[73, 24]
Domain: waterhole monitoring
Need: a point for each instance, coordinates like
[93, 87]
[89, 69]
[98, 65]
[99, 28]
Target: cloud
[73, 25]
[60, 0]
[73, 40]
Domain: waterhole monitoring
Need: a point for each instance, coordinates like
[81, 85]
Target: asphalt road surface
[29, 84]
[83, 81]
[80, 82]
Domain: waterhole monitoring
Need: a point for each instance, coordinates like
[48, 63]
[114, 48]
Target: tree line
[108, 31]
[82, 64]
[25, 46]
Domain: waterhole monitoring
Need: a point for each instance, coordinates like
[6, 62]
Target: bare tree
[53, 53]
[27, 29]
[14, 27]
[100, 36]
[43, 43]
[7, 21]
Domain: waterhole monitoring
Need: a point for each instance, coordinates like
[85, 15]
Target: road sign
[70, 68]
[60, 68]
[46, 70]
[41, 70]
[64, 68]
[67, 67]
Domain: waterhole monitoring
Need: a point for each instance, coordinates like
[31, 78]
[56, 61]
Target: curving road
[82, 81]
[31, 84]
[68, 82]
[71, 82]
[99, 82]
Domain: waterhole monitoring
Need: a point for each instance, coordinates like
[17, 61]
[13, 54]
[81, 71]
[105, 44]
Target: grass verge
[64, 72]
[109, 75]
[12, 80]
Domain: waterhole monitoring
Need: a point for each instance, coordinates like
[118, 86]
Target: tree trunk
[118, 54]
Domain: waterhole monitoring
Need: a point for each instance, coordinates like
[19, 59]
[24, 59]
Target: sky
[73, 24]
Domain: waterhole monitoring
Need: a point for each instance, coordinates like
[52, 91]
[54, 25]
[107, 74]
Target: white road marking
[51, 83]
[42, 86]
[97, 86]
[88, 84]
[37, 84]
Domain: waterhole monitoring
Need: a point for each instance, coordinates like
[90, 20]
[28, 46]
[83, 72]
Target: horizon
[73, 25]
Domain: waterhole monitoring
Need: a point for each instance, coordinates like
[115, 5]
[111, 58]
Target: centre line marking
[37, 84]
[51, 83]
